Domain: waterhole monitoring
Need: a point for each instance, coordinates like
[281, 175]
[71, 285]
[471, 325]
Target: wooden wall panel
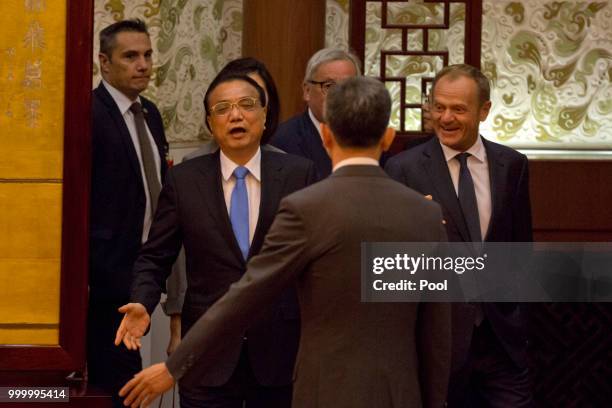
[571, 200]
[284, 34]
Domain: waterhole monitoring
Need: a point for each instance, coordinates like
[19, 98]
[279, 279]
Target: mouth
[450, 129]
[237, 131]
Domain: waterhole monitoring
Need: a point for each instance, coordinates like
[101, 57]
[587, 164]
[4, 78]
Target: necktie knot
[136, 108]
[462, 158]
[240, 172]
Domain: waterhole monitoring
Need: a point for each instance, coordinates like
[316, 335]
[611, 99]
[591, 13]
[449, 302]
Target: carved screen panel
[406, 43]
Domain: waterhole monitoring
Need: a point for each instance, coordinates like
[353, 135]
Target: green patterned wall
[192, 40]
[550, 63]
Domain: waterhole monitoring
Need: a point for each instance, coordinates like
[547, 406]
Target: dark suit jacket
[424, 168]
[118, 201]
[299, 136]
[351, 354]
[192, 212]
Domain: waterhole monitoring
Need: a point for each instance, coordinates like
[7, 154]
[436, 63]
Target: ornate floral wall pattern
[337, 23]
[192, 40]
[550, 64]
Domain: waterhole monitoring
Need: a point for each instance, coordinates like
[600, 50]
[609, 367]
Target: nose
[235, 113]
[143, 63]
[446, 116]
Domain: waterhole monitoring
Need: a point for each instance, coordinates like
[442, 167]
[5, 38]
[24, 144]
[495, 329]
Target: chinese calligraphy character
[10, 53]
[32, 112]
[34, 37]
[33, 74]
[34, 6]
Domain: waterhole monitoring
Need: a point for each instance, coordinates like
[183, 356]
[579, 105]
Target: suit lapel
[271, 189]
[497, 165]
[124, 133]
[436, 168]
[157, 132]
[211, 191]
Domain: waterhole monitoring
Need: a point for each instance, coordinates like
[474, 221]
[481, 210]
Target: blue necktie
[467, 198]
[239, 211]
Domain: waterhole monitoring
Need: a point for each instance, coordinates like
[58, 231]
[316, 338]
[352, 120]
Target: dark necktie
[467, 198]
[469, 207]
[147, 155]
[239, 211]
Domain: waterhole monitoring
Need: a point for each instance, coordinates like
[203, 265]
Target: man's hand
[133, 325]
[175, 333]
[146, 386]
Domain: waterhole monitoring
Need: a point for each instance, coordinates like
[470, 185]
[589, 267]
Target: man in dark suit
[301, 134]
[486, 201]
[128, 164]
[220, 206]
[352, 354]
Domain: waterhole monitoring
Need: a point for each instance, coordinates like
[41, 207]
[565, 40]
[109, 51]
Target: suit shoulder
[407, 157]
[506, 151]
[288, 159]
[291, 129]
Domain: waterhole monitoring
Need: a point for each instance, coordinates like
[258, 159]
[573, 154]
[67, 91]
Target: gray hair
[358, 111]
[330, 54]
[457, 70]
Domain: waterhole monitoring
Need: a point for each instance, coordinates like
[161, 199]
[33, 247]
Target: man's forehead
[133, 40]
[233, 88]
[333, 69]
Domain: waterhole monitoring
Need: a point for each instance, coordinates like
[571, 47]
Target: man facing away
[483, 189]
[128, 166]
[301, 134]
[351, 354]
[219, 207]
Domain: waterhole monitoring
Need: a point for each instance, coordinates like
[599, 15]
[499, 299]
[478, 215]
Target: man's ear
[104, 61]
[484, 111]
[328, 137]
[387, 139]
[306, 92]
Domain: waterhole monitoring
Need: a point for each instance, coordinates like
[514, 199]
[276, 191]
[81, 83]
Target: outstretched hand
[133, 326]
[141, 390]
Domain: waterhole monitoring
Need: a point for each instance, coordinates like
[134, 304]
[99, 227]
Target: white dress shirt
[356, 161]
[253, 186]
[479, 169]
[124, 103]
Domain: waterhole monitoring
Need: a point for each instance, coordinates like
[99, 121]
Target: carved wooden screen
[405, 43]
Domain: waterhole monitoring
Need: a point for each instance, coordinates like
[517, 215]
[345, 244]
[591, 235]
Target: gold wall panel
[32, 55]
[32, 66]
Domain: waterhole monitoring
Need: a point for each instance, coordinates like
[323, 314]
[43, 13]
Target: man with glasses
[301, 134]
[220, 206]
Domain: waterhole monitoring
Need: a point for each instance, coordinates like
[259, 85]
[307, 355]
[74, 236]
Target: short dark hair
[357, 111]
[220, 79]
[458, 70]
[248, 65]
[108, 35]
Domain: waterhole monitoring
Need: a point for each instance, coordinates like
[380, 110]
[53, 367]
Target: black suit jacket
[117, 203]
[192, 212]
[299, 136]
[424, 169]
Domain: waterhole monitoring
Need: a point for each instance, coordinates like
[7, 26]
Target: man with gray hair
[301, 134]
[351, 354]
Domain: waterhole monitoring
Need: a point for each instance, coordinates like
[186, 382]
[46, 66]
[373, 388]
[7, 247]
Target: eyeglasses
[246, 104]
[324, 85]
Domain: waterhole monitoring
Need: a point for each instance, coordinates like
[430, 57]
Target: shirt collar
[315, 122]
[122, 101]
[477, 150]
[253, 165]
[355, 161]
